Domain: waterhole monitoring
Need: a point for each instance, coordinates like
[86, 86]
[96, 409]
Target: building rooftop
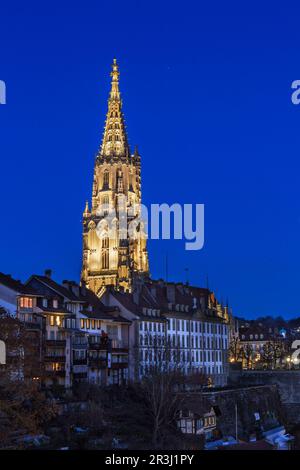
[16, 285]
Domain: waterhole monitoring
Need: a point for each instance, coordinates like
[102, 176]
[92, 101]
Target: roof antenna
[167, 266]
[187, 276]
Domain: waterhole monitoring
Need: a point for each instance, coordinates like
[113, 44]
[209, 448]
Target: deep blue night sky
[206, 91]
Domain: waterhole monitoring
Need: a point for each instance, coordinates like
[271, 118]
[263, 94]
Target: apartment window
[58, 321]
[112, 331]
[93, 324]
[55, 303]
[81, 323]
[88, 324]
[25, 302]
[52, 320]
[98, 324]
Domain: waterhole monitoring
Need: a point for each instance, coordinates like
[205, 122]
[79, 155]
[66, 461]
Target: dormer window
[45, 303]
[55, 303]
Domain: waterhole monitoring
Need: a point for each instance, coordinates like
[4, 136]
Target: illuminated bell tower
[110, 255]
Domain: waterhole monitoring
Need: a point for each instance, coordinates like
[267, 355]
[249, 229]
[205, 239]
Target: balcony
[79, 375]
[114, 345]
[32, 325]
[25, 309]
[79, 362]
[97, 363]
[57, 343]
[55, 358]
[55, 373]
[119, 365]
[99, 346]
[119, 346]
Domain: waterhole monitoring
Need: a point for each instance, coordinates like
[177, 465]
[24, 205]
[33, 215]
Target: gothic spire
[115, 141]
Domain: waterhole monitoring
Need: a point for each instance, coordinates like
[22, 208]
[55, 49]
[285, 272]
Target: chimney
[136, 294]
[72, 287]
[83, 290]
[171, 293]
[48, 273]
[153, 291]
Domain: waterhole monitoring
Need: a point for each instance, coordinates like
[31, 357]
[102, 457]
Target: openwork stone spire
[115, 142]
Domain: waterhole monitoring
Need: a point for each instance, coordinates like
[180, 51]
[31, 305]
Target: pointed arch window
[105, 242]
[105, 259]
[105, 252]
[106, 179]
[105, 205]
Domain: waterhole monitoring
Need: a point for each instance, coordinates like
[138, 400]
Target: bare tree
[166, 377]
[235, 350]
[23, 407]
[247, 353]
[272, 351]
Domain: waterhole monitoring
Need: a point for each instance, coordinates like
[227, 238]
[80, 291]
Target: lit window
[25, 302]
[52, 320]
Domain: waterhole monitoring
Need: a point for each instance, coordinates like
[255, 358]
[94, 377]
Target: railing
[32, 325]
[56, 342]
[79, 375]
[79, 362]
[49, 358]
[119, 344]
[97, 363]
[119, 365]
[55, 373]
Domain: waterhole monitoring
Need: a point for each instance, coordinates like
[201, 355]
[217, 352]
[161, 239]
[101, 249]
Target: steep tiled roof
[58, 288]
[16, 285]
[196, 404]
[258, 333]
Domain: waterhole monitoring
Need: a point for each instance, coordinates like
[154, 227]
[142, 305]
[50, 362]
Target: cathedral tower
[114, 241]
